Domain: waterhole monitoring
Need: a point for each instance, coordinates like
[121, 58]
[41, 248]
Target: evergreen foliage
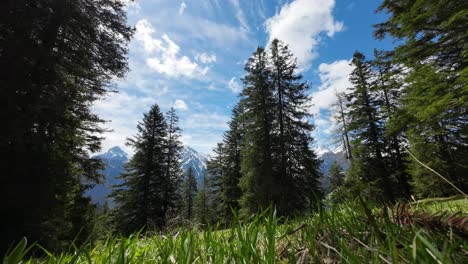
[257, 100]
[57, 58]
[231, 164]
[336, 176]
[366, 129]
[278, 167]
[433, 111]
[152, 175]
[189, 192]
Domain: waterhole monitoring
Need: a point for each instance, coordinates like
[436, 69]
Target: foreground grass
[349, 233]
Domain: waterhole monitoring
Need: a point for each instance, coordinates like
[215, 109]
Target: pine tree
[278, 167]
[189, 193]
[336, 176]
[57, 58]
[203, 207]
[257, 182]
[341, 121]
[387, 87]
[214, 176]
[297, 166]
[433, 111]
[173, 174]
[366, 129]
[140, 199]
[231, 162]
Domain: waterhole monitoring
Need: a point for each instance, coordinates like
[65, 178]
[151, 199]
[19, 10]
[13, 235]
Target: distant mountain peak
[115, 152]
[115, 159]
[194, 159]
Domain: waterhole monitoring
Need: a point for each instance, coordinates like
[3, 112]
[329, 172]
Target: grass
[347, 233]
[451, 204]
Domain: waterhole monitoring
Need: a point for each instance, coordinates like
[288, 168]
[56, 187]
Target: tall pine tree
[140, 199]
[189, 192]
[231, 162]
[278, 166]
[387, 88]
[296, 166]
[366, 129]
[257, 100]
[433, 111]
[57, 58]
[173, 172]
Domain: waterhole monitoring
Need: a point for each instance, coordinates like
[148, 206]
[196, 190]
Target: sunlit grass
[343, 233]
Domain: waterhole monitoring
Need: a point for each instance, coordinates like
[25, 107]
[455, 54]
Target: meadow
[428, 231]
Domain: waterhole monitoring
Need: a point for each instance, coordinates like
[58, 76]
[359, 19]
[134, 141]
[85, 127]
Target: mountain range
[115, 158]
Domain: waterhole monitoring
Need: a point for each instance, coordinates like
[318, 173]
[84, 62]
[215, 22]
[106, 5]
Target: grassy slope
[348, 234]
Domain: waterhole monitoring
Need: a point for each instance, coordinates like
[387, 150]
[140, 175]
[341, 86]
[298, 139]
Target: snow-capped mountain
[196, 160]
[115, 159]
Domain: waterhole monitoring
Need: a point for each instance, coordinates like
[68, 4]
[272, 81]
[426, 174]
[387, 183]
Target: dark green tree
[278, 166]
[231, 164]
[387, 89]
[257, 100]
[203, 206]
[140, 199]
[296, 166]
[172, 156]
[57, 58]
[366, 129]
[214, 177]
[433, 111]
[336, 176]
[189, 193]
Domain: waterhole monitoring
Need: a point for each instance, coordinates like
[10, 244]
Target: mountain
[196, 160]
[115, 158]
[328, 157]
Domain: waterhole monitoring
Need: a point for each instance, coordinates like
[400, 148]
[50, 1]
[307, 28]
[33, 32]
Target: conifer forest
[264, 192]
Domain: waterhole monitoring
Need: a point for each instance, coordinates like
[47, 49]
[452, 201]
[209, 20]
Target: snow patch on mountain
[196, 160]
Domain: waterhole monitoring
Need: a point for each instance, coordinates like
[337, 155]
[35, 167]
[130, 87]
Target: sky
[190, 55]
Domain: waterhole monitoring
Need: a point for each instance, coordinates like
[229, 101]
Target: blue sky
[190, 54]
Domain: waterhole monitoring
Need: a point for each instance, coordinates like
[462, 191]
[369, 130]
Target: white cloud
[132, 7]
[234, 85]
[164, 52]
[182, 8]
[240, 15]
[205, 58]
[300, 24]
[334, 78]
[212, 121]
[203, 142]
[123, 111]
[180, 105]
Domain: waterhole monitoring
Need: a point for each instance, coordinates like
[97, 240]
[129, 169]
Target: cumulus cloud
[122, 110]
[205, 57]
[234, 85]
[204, 121]
[334, 78]
[180, 105]
[300, 24]
[164, 54]
[182, 8]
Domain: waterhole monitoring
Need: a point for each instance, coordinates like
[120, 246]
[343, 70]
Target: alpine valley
[115, 158]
